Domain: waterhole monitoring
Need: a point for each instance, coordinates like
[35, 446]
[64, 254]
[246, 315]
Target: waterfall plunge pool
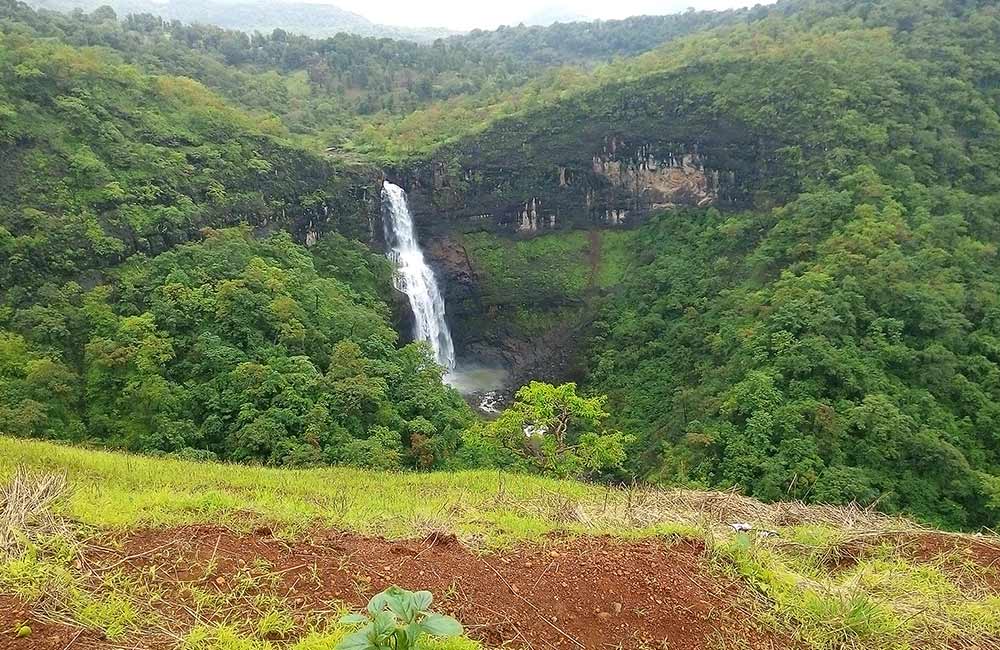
[484, 386]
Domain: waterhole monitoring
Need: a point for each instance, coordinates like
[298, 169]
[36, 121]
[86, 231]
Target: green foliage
[851, 363]
[316, 85]
[396, 619]
[236, 347]
[559, 432]
[113, 330]
[103, 162]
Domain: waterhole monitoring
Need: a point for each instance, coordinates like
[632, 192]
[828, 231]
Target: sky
[488, 14]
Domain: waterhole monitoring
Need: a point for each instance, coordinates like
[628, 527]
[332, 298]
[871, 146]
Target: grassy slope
[122, 491]
[884, 599]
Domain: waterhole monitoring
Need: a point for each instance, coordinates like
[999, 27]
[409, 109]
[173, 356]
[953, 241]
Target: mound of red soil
[585, 593]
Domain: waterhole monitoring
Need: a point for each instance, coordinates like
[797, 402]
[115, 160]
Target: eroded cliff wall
[603, 159]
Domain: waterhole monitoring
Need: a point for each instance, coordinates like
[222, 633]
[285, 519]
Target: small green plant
[395, 620]
[276, 623]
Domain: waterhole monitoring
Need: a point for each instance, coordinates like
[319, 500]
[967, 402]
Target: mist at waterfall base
[415, 278]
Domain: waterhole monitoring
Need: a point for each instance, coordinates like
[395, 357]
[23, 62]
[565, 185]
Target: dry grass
[28, 510]
[639, 508]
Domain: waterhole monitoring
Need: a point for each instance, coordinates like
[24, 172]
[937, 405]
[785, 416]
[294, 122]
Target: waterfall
[414, 278]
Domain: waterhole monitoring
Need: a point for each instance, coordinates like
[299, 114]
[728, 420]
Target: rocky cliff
[602, 159]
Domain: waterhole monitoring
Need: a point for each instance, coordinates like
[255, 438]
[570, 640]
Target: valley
[671, 331]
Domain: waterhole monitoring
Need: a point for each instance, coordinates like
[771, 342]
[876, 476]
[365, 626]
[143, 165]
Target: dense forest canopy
[319, 85]
[835, 338]
[314, 85]
[113, 333]
[842, 346]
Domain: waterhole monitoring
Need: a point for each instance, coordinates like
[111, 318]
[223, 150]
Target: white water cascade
[414, 278]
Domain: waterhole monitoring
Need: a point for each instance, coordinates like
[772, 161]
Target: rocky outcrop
[658, 181]
[616, 181]
[609, 158]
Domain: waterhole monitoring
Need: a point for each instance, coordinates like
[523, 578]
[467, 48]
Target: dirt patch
[958, 555]
[44, 635]
[585, 593]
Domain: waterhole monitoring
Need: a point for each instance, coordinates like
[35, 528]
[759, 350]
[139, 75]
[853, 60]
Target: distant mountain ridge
[318, 20]
[545, 16]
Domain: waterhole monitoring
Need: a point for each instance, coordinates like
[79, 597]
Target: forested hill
[804, 300]
[845, 345]
[309, 19]
[314, 85]
[319, 85]
[128, 317]
[829, 330]
[579, 42]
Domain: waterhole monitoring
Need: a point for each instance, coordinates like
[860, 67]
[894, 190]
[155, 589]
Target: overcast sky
[488, 14]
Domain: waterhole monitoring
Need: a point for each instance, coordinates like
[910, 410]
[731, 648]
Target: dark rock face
[352, 208]
[598, 160]
[483, 328]
[616, 185]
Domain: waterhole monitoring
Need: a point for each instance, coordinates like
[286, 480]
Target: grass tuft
[27, 509]
[880, 601]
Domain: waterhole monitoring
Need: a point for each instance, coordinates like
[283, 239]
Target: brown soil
[44, 635]
[593, 593]
[953, 552]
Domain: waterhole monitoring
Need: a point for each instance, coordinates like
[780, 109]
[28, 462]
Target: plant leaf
[440, 625]
[400, 602]
[384, 624]
[356, 641]
[413, 632]
[394, 599]
[378, 603]
[422, 600]
[352, 619]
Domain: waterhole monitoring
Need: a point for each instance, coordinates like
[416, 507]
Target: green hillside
[114, 329]
[884, 595]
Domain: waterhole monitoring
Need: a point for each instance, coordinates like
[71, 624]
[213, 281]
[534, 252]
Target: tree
[562, 433]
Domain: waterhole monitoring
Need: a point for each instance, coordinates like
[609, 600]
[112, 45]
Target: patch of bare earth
[44, 635]
[584, 593]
